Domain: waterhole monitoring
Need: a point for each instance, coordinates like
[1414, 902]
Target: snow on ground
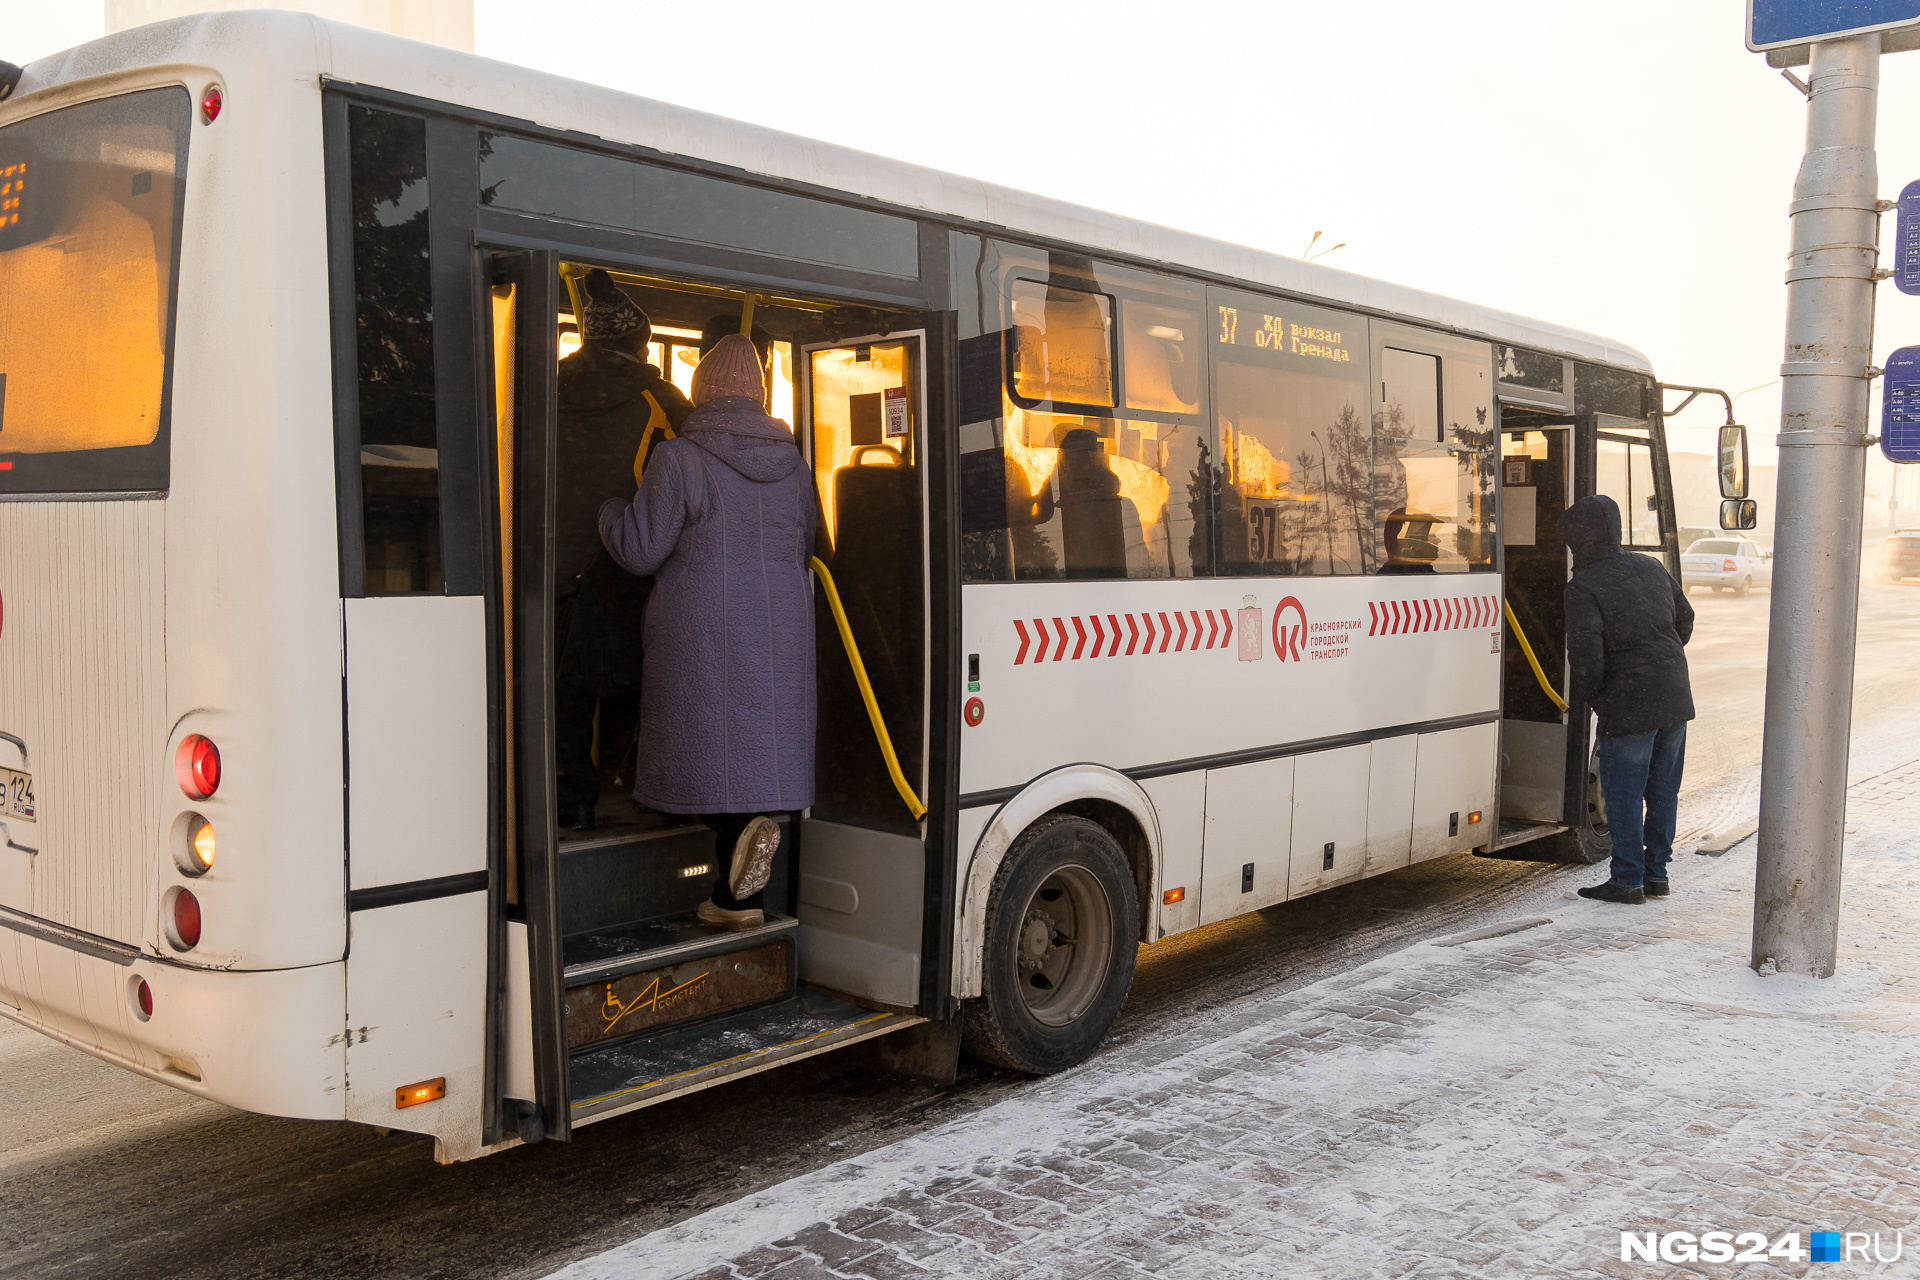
[1504, 1106]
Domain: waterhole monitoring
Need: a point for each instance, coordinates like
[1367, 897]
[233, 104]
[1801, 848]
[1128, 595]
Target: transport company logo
[1287, 640]
[1753, 1246]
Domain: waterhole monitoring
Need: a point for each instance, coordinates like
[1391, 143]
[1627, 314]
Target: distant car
[1898, 557]
[1692, 533]
[1728, 564]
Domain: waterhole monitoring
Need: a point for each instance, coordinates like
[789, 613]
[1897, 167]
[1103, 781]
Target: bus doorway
[631, 998]
[1537, 483]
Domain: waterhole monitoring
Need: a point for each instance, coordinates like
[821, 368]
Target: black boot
[1611, 892]
[1656, 889]
[579, 817]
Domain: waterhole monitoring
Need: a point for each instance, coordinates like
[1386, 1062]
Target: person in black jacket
[1628, 622]
[615, 409]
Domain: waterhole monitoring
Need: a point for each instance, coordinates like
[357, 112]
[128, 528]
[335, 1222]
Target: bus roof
[356, 55]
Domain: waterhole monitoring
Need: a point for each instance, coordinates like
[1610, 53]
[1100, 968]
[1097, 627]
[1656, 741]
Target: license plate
[16, 795]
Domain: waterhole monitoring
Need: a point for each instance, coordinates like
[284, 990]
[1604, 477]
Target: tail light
[196, 765]
[183, 920]
[195, 856]
[1728, 565]
[210, 103]
[141, 997]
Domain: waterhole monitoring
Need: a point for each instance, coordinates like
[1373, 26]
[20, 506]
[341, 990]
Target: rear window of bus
[90, 200]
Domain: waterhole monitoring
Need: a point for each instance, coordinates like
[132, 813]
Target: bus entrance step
[640, 1072]
[646, 944]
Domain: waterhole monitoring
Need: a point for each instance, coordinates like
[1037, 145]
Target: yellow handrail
[880, 734]
[1532, 661]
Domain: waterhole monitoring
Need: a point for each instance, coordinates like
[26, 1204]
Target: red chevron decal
[1099, 636]
[1041, 624]
[1081, 631]
[1026, 641]
[1166, 632]
[1213, 628]
[1060, 649]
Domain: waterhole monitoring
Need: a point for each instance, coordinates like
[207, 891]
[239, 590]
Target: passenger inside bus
[726, 517]
[615, 409]
[1411, 546]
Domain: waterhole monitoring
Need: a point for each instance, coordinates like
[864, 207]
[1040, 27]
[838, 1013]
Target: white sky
[1623, 168]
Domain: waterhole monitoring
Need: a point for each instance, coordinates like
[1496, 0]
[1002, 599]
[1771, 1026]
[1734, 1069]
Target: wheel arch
[1092, 791]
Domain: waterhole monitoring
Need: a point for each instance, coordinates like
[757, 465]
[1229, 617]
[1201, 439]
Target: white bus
[1177, 571]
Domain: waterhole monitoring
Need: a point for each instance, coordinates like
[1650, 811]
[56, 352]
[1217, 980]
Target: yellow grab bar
[1532, 661]
[880, 734]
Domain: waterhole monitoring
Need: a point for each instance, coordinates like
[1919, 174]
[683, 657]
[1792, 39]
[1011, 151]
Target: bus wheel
[1060, 941]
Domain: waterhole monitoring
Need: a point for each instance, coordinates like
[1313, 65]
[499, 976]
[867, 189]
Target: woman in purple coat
[725, 519]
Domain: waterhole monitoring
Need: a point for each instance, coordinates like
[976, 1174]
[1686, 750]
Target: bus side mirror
[1739, 513]
[1733, 466]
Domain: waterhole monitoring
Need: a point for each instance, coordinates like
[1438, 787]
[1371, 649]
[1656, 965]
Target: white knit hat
[732, 368]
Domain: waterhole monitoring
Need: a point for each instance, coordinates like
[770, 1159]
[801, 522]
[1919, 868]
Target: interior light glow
[1174, 895]
[691, 873]
[196, 765]
[412, 1095]
[1162, 331]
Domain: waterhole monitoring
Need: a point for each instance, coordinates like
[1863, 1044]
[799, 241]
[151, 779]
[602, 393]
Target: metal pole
[1823, 462]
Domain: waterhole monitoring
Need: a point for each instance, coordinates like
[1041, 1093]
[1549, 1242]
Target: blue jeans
[1640, 778]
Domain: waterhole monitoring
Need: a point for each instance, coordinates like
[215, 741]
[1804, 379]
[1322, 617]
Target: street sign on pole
[1776, 24]
[1900, 407]
[1906, 240]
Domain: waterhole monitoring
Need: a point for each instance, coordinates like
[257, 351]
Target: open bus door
[612, 995]
[1549, 785]
[876, 850]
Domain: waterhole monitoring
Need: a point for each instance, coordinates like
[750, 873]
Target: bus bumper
[270, 1041]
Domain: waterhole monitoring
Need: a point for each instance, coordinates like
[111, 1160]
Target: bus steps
[686, 1059]
[647, 944]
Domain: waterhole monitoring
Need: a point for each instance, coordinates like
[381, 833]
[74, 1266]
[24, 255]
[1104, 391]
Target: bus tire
[1061, 933]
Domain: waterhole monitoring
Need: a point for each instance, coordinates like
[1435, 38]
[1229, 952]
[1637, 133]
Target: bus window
[1063, 345]
[90, 200]
[1289, 396]
[1624, 472]
[393, 321]
[1090, 465]
[1433, 454]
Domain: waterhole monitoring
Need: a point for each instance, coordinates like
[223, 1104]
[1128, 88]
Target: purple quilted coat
[725, 518]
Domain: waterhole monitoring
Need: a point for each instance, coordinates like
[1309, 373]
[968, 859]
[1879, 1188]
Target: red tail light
[197, 765]
[185, 920]
[210, 103]
[142, 999]
[1728, 565]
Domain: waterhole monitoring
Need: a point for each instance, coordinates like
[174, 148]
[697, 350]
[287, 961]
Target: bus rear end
[170, 877]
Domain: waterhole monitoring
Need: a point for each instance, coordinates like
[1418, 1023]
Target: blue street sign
[1900, 410]
[1775, 24]
[1906, 240]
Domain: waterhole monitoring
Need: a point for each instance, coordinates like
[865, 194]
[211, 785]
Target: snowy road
[103, 1174]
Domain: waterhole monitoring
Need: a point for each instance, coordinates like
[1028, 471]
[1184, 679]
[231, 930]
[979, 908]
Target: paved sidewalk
[1478, 1107]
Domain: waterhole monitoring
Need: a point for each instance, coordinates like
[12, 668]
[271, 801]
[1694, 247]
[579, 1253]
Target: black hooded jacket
[1627, 624]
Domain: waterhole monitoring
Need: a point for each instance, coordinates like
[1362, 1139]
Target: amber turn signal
[1473, 817]
[413, 1095]
[1172, 896]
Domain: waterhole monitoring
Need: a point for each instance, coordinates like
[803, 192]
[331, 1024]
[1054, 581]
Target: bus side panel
[1180, 803]
[1249, 838]
[416, 1004]
[1453, 783]
[1329, 818]
[1390, 803]
[1142, 673]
